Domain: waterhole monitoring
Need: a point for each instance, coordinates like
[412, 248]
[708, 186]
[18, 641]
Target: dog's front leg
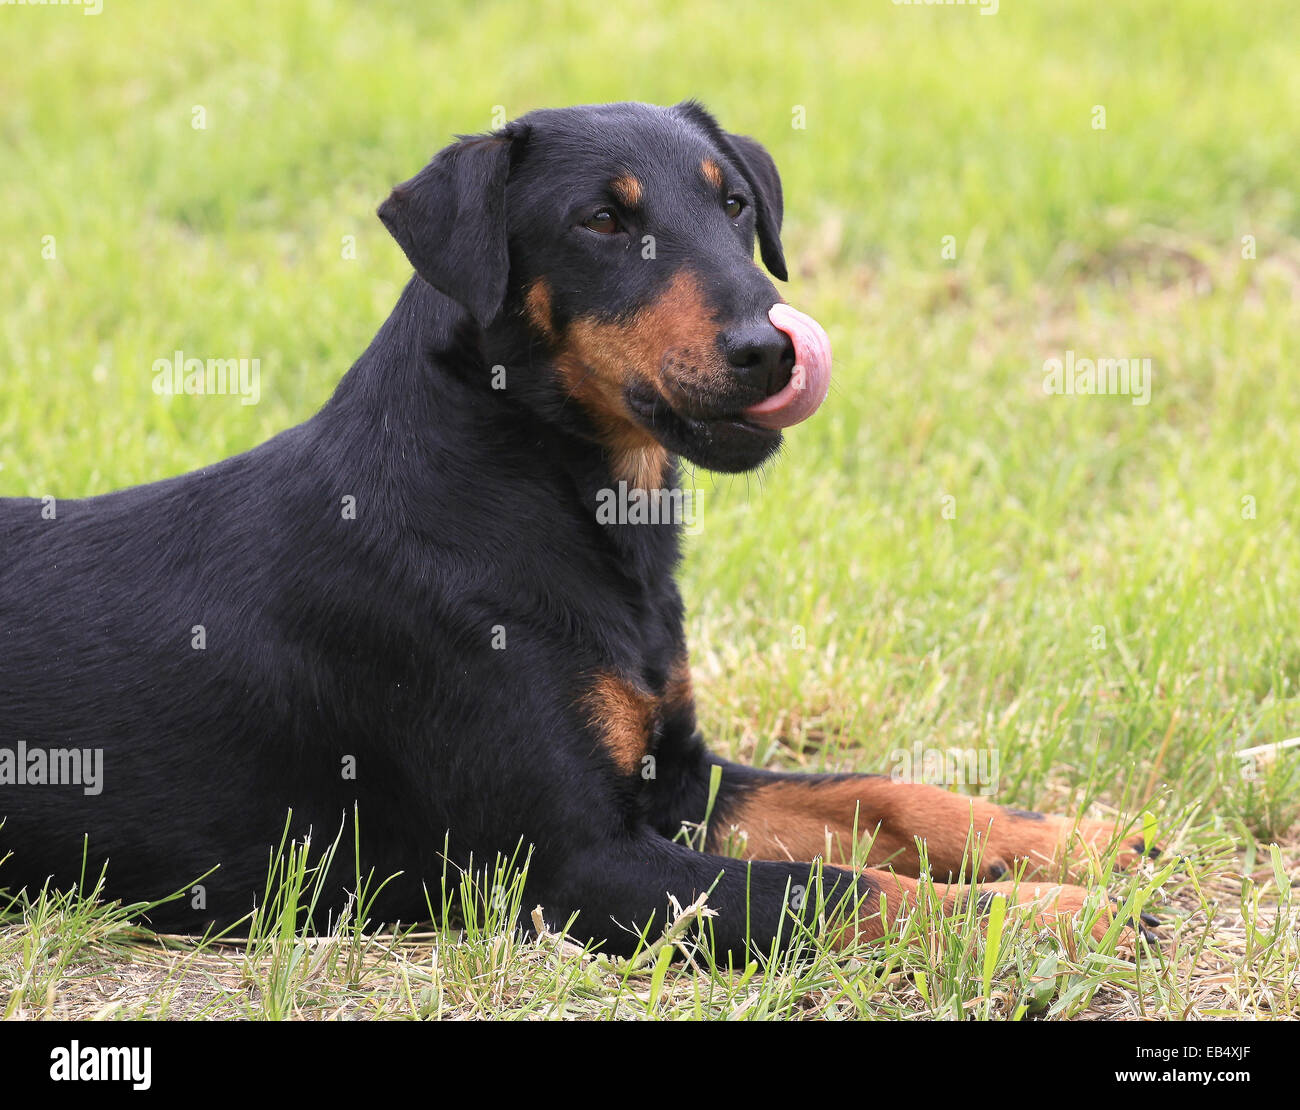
[773, 815]
[617, 892]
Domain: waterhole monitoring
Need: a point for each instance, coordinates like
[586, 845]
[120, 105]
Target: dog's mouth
[724, 441]
[728, 435]
[683, 429]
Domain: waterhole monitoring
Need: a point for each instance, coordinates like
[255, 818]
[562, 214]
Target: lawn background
[1101, 593]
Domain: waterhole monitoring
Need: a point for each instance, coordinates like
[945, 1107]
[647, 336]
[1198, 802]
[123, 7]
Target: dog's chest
[639, 693]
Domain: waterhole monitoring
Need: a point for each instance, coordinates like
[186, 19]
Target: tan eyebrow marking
[628, 189]
[712, 172]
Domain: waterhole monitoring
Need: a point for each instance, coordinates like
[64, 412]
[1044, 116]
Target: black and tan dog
[409, 607]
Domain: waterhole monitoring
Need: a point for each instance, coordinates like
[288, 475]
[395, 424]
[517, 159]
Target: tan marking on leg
[794, 819]
[1055, 905]
[624, 715]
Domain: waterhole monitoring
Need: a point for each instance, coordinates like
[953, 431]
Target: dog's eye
[735, 206]
[603, 222]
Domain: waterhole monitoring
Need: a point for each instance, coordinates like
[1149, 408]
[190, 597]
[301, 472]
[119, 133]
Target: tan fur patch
[712, 172]
[797, 820]
[624, 715]
[789, 821]
[628, 190]
[537, 303]
[641, 467]
[679, 694]
[1054, 906]
[667, 343]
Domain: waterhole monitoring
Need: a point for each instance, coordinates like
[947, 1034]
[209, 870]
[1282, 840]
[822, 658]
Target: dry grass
[1228, 950]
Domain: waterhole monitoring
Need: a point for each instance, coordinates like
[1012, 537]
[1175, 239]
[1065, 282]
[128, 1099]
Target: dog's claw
[1139, 846]
[1146, 928]
[1145, 924]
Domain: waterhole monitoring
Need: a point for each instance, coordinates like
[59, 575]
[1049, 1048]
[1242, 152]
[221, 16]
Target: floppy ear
[450, 219]
[759, 171]
[754, 162]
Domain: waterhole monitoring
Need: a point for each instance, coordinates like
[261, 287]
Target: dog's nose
[762, 356]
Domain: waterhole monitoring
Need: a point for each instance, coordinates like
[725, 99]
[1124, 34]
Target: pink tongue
[809, 381]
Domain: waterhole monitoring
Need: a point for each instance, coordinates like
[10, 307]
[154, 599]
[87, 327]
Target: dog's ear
[759, 171]
[450, 219]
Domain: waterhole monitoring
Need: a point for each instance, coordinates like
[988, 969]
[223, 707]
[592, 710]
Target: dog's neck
[432, 388]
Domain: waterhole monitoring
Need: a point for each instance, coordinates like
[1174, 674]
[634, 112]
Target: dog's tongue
[809, 381]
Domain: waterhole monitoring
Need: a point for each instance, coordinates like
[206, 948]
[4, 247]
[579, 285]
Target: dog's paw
[1100, 836]
[1062, 905]
[1040, 843]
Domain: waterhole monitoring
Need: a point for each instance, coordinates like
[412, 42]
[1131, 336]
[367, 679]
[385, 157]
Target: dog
[409, 613]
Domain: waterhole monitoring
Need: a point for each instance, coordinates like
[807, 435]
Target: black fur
[371, 639]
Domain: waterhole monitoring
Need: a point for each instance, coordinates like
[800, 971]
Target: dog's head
[610, 251]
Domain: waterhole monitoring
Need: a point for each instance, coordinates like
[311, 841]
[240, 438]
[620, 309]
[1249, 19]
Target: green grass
[946, 554]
